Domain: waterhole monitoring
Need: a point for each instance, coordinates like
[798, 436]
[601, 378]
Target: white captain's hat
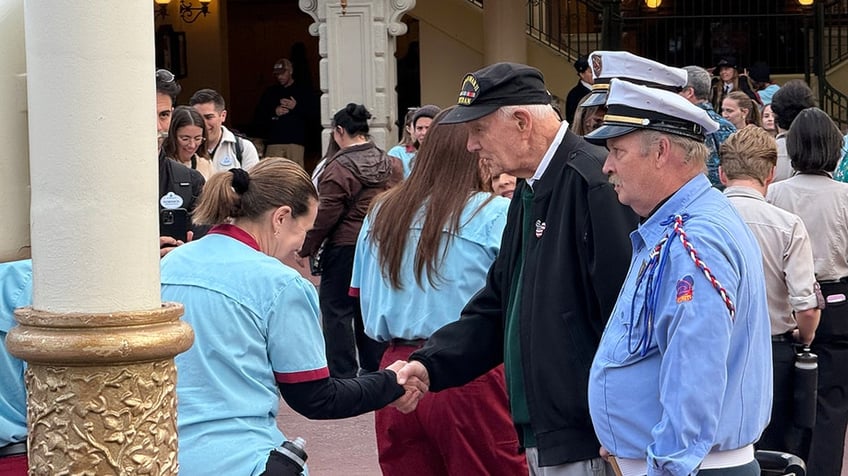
[631, 107]
[607, 65]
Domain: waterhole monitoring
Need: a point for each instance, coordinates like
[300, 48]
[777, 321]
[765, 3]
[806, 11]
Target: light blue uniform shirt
[256, 323]
[416, 312]
[405, 156]
[767, 93]
[705, 382]
[16, 285]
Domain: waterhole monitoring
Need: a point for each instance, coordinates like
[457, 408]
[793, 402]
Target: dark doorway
[259, 33]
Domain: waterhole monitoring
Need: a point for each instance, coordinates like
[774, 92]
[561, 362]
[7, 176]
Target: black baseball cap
[501, 84]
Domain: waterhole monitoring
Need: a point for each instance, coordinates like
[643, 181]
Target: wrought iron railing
[572, 27]
[835, 33]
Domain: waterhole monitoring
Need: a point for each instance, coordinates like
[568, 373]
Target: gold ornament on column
[101, 389]
[344, 6]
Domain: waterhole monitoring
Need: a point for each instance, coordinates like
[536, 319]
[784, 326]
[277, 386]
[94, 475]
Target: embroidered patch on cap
[597, 65]
[469, 90]
[684, 289]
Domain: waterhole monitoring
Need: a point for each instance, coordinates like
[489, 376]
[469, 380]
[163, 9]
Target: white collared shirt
[546, 159]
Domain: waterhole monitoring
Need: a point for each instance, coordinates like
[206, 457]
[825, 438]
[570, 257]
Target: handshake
[415, 381]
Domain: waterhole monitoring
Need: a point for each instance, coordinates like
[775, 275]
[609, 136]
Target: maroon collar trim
[235, 233]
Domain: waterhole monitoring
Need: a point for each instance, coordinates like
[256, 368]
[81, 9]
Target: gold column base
[101, 389]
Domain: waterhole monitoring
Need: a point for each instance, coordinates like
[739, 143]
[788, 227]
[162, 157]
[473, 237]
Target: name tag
[834, 298]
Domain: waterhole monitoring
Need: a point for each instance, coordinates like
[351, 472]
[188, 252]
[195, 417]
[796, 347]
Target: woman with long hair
[814, 144]
[255, 321]
[186, 137]
[350, 180]
[423, 251]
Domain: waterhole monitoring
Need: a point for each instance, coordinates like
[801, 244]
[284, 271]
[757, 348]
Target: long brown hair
[444, 178]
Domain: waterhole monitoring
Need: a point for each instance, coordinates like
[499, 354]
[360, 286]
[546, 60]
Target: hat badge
[468, 91]
[597, 65]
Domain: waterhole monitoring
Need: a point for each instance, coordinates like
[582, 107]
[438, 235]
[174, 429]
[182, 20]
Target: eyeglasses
[186, 140]
[165, 76]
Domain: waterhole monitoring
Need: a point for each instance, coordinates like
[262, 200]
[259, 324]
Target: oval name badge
[226, 161]
[171, 200]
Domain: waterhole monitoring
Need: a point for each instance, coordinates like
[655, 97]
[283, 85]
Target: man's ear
[722, 176]
[663, 151]
[223, 115]
[523, 119]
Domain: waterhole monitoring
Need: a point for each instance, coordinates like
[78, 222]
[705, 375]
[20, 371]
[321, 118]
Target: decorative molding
[101, 389]
[102, 420]
[310, 7]
[398, 8]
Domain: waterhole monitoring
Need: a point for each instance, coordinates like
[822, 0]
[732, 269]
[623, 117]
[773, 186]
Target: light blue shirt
[256, 323]
[705, 381]
[405, 157]
[415, 312]
[16, 286]
[767, 93]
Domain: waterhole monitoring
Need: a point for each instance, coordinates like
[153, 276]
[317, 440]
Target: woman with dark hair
[424, 250]
[350, 180]
[185, 137]
[814, 145]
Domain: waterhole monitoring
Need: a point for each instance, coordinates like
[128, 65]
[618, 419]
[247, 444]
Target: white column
[357, 47]
[504, 31]
[93, 155]
[14, 164]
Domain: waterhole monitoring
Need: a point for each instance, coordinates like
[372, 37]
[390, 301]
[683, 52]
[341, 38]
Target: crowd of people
[622, 292]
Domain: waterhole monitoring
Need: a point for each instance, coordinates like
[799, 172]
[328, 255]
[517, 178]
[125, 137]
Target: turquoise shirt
[405, 154]
[256, 323]
[416, 312]
[703, 380]
[15, 292]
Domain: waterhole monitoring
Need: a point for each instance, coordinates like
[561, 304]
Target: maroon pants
[13, 465]
[464, 430]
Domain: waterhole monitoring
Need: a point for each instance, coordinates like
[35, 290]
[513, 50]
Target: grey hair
[537, 111]
[700, 82]
[694, 151]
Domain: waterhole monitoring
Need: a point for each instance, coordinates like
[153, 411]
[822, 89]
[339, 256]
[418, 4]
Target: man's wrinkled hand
[413, 386]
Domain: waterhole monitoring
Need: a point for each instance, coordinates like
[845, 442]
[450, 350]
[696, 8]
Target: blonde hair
[749, 152]
[269, 184]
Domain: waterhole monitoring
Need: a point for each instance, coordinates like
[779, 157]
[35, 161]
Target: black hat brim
[596, 98]
[600, 135]
[461, 114]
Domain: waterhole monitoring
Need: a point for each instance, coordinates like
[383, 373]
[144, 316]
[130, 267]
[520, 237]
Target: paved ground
[334, 447]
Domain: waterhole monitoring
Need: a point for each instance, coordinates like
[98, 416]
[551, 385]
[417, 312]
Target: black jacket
[577, 93]
[572, 276]
[187, 183]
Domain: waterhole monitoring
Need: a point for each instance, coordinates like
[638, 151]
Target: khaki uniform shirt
[787, 256]
[823, 205]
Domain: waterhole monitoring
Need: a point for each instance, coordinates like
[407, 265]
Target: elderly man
[549, 292]
[748, 159]
[697, 91]
[681, 381]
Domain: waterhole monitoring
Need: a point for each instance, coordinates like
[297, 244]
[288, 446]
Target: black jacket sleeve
[332, 398]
